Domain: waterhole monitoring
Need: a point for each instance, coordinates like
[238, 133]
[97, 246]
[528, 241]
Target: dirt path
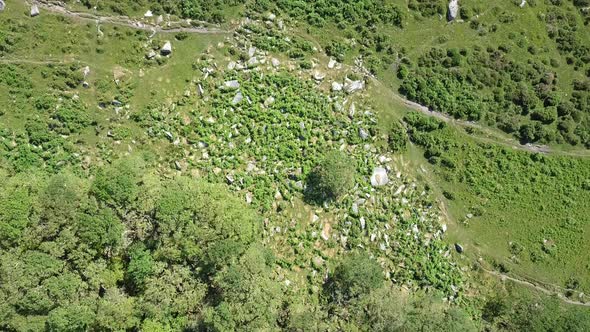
[535, 286]
[59, 8]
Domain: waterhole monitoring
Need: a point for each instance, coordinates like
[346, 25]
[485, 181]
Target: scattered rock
[160, 19]
[232, 85]
[237, 98]
[269, 101]
[2, 5]
[319, 76]
[251, 51]
[253, 62]
[331, 64]
[275, 62]
[453, 10]
[231, 65]
[336, 86]
[353, 86]
[363, 134]
[249, 197]
[166, 49]
[34, 10]
[355, 208]
[271, 17]
[280, 24]
[469, 215]
[522, 4]
[150, 55]
[459, 248]
[86, 71]
[148, 14]
[444, 228]
[363, 223]
[85, 84]
[351, 110]
[379, 177]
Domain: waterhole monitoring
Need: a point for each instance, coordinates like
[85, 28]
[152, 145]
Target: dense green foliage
[515, 84]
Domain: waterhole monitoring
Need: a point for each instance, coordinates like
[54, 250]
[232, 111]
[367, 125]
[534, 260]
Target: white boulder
[453, 10]
[166, 49]
[34, 10]
[336, 86]
[379, 177]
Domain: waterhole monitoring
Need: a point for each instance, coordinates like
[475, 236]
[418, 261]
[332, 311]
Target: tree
[332, 178]
[118, 183]
[357, 274]
[197, 221]
[249, 299]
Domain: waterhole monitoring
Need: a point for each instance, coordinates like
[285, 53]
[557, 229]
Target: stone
[453, 10]
[352, 110]
[86, 71]
[331, 64]
[459, 248]
[355, 208]
[379, 177]
[271, 17]
[319, 76]
[148, 14]
[353, 86]
[253, 62]
[275, 62]
[34, 10]
[166, 49]
[522, 4]
[281, 24]
[249, 197]
[336, 86]
[231, 85]
[2, 5]
[363, 223]
[251, 51]
[160, 19]
[444, 228]
[363, 134]
[85, 84]
[269, 101]
[150, 55]
[237, 98]
[231, 65]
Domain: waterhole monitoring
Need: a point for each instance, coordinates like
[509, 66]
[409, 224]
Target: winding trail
[535, 286]
[174, 26]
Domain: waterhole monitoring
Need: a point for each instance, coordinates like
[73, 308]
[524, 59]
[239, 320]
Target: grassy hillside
[230, 185]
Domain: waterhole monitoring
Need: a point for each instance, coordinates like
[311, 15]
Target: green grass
[522, 212]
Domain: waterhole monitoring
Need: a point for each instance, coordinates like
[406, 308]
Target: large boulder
[166, 49]
[351, 86]
[453, 10]
[34, 10]
[379, 177]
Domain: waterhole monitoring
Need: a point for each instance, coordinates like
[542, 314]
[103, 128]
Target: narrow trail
[59, 8]
[535, 286]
